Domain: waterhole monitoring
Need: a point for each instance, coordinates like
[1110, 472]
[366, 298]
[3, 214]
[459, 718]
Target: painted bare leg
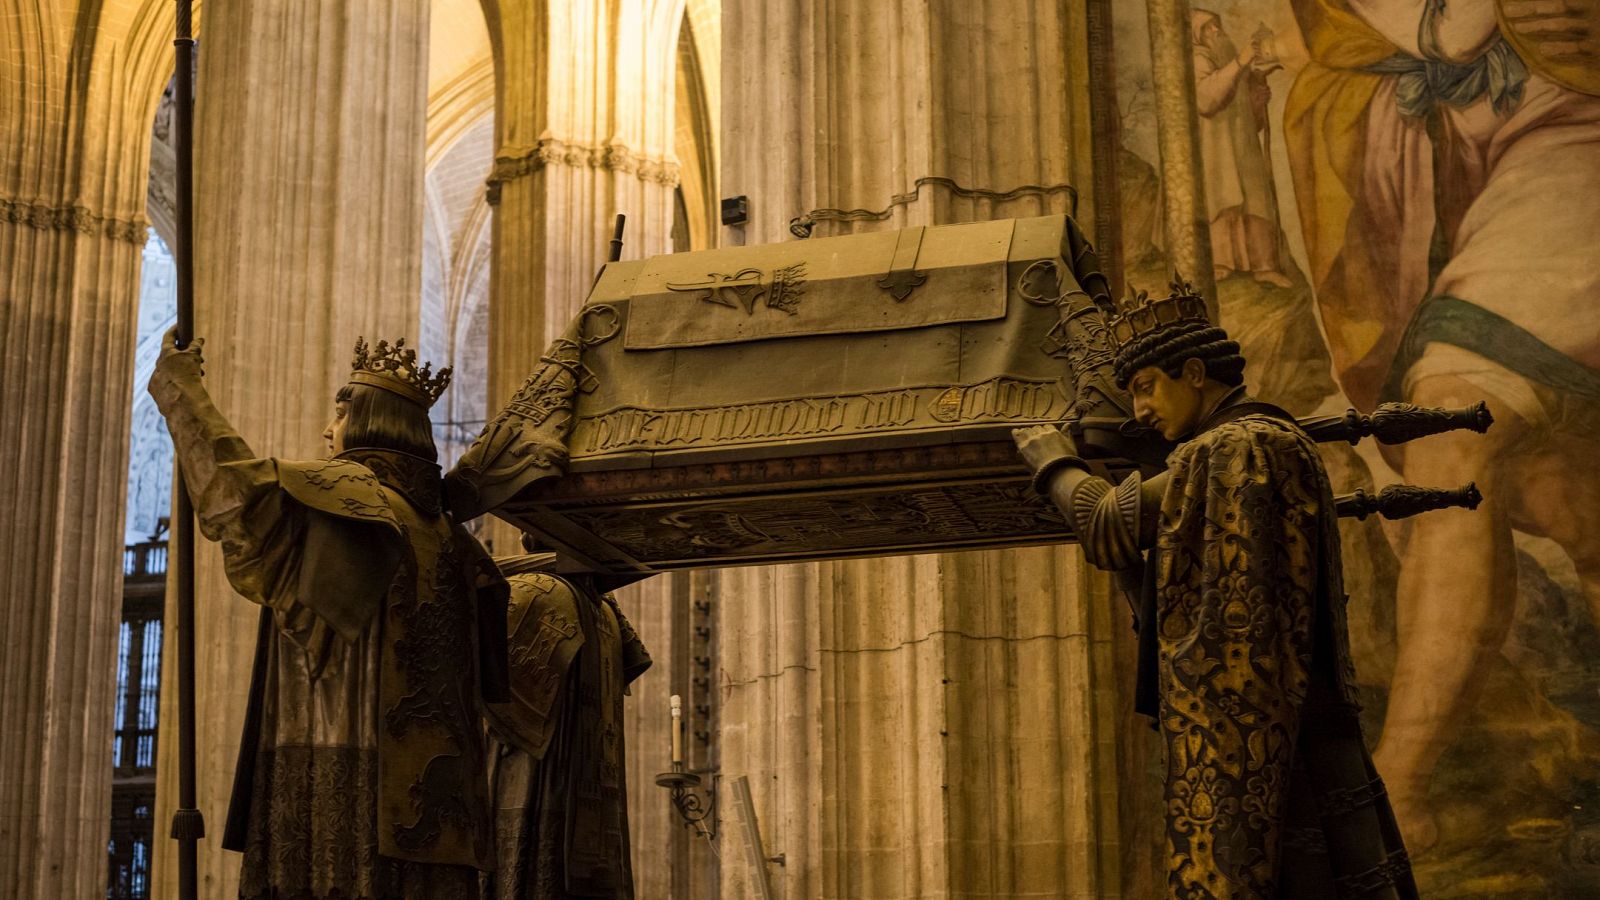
[1455, 601]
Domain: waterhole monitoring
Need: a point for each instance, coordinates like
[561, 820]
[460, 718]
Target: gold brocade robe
[1245, 665]
[361, 769]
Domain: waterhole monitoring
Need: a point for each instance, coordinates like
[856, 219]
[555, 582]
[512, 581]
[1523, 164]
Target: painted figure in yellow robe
[1244, 657]
[1446, 158]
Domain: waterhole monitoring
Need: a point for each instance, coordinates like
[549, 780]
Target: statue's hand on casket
[1047, 450]
[1043, 444]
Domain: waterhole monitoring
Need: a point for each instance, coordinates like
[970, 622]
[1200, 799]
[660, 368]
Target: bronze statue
[361, 772]
[1243, 654]
[556, 753]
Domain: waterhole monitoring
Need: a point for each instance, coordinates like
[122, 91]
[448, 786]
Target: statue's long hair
[383, 420]
[1170, 347]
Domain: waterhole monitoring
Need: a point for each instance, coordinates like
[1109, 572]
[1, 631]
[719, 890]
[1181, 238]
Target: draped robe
[1244, 663]
[361, 769]
[1443, 170]
[556, 748]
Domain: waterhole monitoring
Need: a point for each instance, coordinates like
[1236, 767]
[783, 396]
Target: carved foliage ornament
[72, 218]
[512, 163]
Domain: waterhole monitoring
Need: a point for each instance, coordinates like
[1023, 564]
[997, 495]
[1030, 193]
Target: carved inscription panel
[996, 400]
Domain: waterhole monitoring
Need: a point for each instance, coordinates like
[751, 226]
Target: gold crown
[1141, 315]
[394, 369]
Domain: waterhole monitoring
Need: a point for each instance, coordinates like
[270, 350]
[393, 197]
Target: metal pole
[616, 239]
[188, 824]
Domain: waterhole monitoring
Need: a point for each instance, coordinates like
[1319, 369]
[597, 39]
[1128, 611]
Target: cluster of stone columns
[929, 726]
[941, 725]
[80, 84]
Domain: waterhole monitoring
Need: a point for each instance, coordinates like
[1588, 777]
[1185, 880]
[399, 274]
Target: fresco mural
[1401, 198]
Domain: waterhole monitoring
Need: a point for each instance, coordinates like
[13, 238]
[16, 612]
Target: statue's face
[1172, 406]
[334, 434]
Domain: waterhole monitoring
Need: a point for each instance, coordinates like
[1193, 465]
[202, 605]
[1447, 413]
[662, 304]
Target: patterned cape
[1249, 620]
[561, 798]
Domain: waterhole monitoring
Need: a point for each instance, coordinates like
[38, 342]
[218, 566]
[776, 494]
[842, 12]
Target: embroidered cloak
[1244, 663]
[557, 754]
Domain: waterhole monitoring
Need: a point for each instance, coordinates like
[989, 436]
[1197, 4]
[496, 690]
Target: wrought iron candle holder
[695, 811]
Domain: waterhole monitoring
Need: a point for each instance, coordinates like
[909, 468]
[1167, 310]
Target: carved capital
[519, 162]
[72, 218]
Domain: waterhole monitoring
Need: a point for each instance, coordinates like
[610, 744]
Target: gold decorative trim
[513, 162]
[72, 218]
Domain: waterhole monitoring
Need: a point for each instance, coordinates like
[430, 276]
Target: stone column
[1186, 226]
[942, 725]
[78, 91]
[583, 120]
[309, 155]
[584, 123]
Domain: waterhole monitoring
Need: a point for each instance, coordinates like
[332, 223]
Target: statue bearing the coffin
[382, 630]
[1233, 552]
[556, 748]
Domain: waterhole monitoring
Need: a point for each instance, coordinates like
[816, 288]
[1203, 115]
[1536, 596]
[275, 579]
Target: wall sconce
[735, 210]
[682, 784]
[695, 811]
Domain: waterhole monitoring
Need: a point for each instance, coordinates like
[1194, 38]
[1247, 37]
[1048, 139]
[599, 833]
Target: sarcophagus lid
[816, 399]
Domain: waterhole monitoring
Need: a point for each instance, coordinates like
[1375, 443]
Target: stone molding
[519, 162]
[72, 218]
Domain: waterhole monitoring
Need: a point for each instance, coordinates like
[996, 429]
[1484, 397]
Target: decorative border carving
[995, 460]
[513, 163]
[72, 218]
[802, 225]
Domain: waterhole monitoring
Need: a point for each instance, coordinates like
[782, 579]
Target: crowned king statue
[362, 769]
[1244, 660]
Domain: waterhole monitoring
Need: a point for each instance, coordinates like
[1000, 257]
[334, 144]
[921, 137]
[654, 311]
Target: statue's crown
[394, 369]
[1142, 315]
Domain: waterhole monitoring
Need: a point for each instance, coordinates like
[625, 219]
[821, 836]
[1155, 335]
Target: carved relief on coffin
[743, 288]
[838, 523]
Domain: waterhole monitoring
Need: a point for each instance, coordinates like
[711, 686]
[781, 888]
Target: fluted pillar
[309, 156]
[584, 130]
[1185, 222]
[78, 90]
[584, 121]
[942, 725]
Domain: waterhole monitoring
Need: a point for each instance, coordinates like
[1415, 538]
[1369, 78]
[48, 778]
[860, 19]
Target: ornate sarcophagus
[828, 398]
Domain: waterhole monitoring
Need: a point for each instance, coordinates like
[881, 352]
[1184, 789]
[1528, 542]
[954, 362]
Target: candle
[677, 730]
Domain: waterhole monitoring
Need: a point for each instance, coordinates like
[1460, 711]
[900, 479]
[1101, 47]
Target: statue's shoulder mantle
[341, 488]
[415, 478]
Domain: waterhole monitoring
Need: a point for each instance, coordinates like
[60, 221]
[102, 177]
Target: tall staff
[188, 824]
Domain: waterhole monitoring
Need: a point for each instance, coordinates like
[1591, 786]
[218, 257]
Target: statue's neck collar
[415, 478]
[1238, 403]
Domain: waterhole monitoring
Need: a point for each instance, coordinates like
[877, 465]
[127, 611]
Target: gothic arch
[458, 157]
[695, 143]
